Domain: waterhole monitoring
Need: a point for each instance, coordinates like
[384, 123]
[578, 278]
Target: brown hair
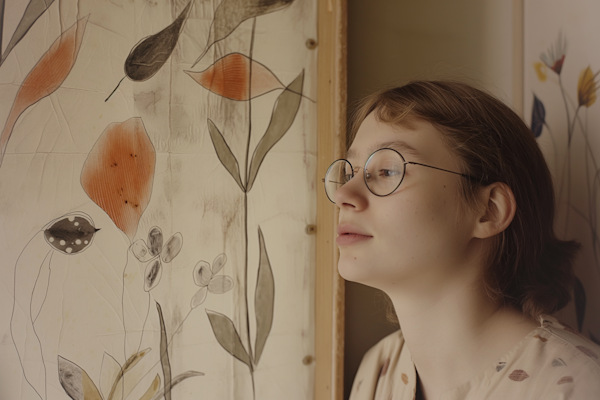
[529, 268]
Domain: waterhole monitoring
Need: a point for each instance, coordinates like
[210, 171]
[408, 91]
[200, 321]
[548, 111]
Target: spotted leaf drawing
[119, 172]
[228, 337]
[264, 298]
[76, 382]
[224, 153]
[34, 10]
[284, 113]
[45, 77]
[231, 13]
[230, 77]
[538, 116]
[71, 234]
[150, 54]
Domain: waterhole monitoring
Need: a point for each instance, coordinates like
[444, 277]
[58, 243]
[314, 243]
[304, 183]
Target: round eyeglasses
[383, 173]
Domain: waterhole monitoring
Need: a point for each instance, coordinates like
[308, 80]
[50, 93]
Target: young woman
[447, 205]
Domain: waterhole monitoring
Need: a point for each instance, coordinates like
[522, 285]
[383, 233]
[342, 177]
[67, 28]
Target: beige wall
[392, 41]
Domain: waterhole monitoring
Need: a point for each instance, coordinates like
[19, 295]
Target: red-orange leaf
[119, 172]
[229, 77]
[47, 76]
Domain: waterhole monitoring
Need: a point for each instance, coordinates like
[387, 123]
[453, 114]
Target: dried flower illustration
[208, 280]
[554, 57]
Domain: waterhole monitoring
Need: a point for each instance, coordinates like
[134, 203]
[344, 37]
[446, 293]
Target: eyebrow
[399, 145]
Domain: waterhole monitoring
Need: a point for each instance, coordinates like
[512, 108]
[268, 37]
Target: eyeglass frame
[469, 177]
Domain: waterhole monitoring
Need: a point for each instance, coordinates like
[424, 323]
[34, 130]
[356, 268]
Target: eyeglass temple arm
[469, 177]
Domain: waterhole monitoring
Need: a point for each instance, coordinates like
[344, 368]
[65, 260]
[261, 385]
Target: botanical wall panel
[561, 78]
[157, 174]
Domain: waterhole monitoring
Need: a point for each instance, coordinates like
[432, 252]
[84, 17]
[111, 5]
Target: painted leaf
[230, 77]
[149, 55]
[177, 380]
[164, 354]
[155, 241]
[580, 302]
[231, 13]
[76, 382]
[199, 297]
[538, 116]
[116, 389]
[586, 88]
[140, 250]
[45, 77]
[202, 273]
[71, 234]
[34, 10]
[152, 275]
[228, 337]
[224, 153]
[264, 298]
[119, 172]
[152, 390]
[218, 263]
[109, 373]
[284, 113]
[220, 284]
[172, 248]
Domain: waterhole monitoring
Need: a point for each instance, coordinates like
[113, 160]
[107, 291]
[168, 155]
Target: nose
[353, 194]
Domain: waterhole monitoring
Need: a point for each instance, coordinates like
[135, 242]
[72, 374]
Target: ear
[497, 210]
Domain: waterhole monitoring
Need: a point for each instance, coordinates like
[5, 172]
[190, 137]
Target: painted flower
[208, 280]
[154, 254]
[554, 57]
[586, 87]
[540, 70]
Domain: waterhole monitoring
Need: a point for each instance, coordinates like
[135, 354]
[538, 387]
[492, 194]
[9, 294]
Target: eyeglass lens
[383, 173]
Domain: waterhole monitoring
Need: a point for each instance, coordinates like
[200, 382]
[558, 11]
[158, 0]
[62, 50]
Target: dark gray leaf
[76, 382]
[172, 248]
[152, 274]
[264, 298]
[71, 234]
[34, 10]
[155, 240]
[228, 337]
[224, 153]
[164, 354]
[284, 113]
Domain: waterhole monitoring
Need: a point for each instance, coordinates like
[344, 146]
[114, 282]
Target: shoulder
[556, 362]
[385, 369]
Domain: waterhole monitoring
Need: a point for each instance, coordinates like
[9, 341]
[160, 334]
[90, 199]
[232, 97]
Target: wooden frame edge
[331, 133]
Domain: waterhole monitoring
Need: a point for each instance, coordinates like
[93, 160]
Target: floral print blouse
[552, 362]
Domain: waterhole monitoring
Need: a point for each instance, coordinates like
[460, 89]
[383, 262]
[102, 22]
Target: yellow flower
[586, 88]
[540, 70]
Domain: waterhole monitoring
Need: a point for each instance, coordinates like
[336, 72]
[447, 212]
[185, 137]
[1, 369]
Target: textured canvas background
[81, 312]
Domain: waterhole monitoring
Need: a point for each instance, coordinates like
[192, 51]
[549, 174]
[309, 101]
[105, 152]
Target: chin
[351, 270]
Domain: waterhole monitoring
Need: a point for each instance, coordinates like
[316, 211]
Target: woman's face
[420, 234]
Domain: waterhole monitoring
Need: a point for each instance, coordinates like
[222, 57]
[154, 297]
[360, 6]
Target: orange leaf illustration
[228, 77]
[47, 76]
[119, 172]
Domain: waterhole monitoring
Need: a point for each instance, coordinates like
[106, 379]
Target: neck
[455, 331]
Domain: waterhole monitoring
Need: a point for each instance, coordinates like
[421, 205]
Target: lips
[349, 234]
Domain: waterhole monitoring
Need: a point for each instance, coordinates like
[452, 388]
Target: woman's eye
[388, 173]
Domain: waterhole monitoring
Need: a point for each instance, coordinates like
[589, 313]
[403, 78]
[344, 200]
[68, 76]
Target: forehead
[419, 140]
